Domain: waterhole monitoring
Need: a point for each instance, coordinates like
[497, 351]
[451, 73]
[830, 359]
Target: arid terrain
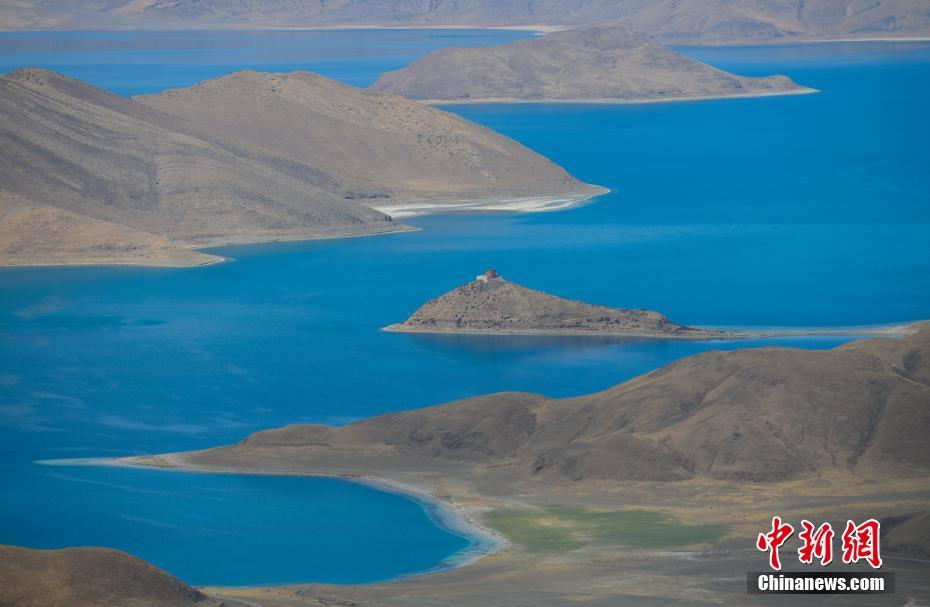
[594, 64]
[89, 577]
[651, 492]
[90, 177]
[707, 21]
[375, 150]
[497, 305]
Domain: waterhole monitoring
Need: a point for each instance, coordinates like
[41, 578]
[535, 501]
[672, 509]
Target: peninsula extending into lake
[662, 477]
[607, 64]
[93, 178]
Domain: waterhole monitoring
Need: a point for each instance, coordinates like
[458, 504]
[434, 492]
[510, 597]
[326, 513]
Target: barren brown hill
[88, 577]
[33, 234]
[767, 414]
[665, 20]
[492, 304]
[379, 149]
[89, 177]
[588, 64]
[82, 151]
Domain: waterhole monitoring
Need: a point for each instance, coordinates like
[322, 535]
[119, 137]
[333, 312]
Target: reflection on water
[489, 344]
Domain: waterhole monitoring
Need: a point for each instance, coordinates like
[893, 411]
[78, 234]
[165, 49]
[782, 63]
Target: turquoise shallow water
[796, 211]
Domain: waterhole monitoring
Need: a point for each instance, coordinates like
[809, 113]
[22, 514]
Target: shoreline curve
[804, 90]
[452, 517]
[727, 333]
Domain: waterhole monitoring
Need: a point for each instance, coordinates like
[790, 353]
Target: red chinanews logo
[859, 542]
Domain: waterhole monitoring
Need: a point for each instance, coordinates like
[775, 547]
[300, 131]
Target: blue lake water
[808, 210]
[231, 529]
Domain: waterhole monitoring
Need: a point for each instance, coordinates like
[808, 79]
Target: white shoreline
[444, 513]
[728, 333]
[617, 101]
[529, 204]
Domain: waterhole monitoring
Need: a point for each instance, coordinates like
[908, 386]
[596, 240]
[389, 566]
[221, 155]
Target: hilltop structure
[492, 304]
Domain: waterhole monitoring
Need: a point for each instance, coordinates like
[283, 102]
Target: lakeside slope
[597, 64]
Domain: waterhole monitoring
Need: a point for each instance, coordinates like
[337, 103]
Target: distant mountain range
[90, 177]
[605, 64]
[712, 21]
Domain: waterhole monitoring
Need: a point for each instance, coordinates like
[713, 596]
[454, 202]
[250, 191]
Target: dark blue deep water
[809, 210]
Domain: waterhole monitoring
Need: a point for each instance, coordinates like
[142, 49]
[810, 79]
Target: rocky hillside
[766, 414]
[90, 177]
[373, 149]
[665, 20]
[496, 305]
[89, 577]
[70, 148]
[593, 63]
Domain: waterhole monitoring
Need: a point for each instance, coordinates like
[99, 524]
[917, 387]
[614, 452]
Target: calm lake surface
[809, 210]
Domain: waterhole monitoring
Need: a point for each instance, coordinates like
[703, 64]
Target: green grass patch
[555, 529]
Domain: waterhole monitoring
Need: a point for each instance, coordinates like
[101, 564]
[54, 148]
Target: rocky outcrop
[492, 304]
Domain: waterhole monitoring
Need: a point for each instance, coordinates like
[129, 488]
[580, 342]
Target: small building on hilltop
[488, 275]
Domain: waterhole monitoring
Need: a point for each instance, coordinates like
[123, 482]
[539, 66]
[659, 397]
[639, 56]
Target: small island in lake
[492, 304]
[606, 64]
